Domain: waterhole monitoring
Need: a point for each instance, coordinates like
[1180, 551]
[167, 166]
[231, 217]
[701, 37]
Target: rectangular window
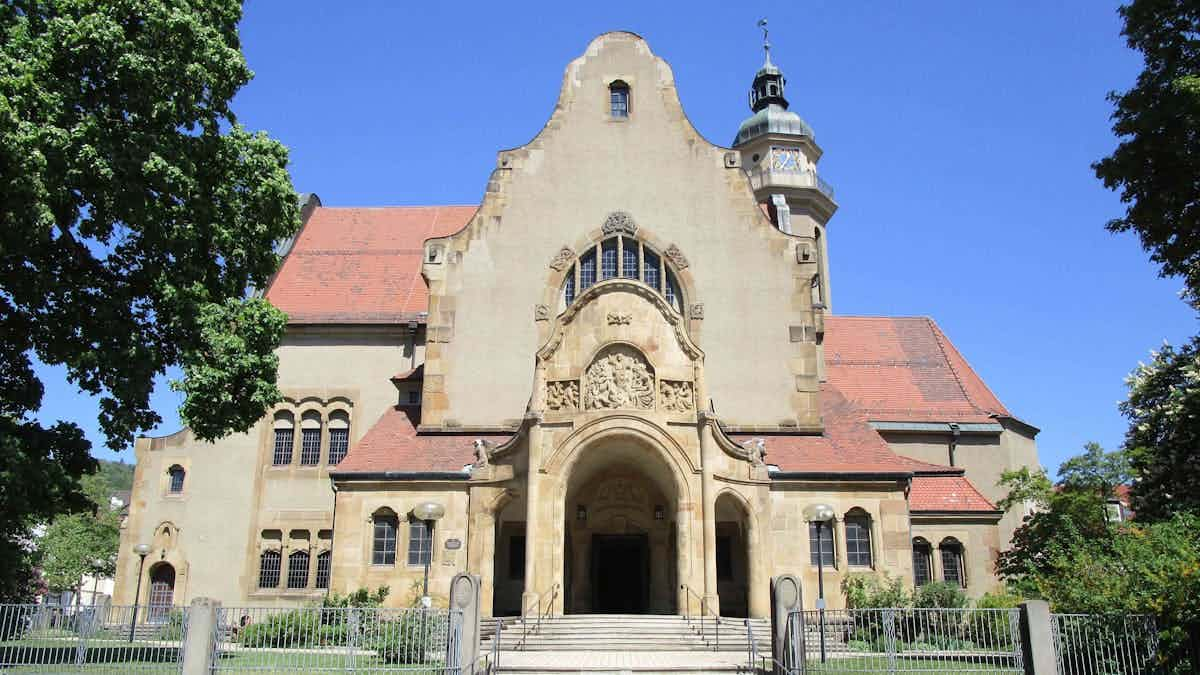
[608, 259]
[952, 565]
[323, 566]
[650, 269]
[629, 259]
[516, 557]
[283, 447]
[339, 443]
[177, 480]
[724, 557]
[420, 543]
[922, 570]
[268, 569]
[619, 99]
[298, 570]
[383, 550]
[858, 542]
[826, 545]
[310, 447]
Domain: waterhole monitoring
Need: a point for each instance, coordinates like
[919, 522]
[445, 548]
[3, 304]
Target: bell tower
[780, 154]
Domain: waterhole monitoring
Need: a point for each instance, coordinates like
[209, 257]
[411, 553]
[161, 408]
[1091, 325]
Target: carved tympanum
[562, 395]
[676, 396]
[619, 222]
[619, 378]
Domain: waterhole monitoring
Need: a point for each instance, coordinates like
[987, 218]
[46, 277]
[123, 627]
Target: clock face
[785, 159]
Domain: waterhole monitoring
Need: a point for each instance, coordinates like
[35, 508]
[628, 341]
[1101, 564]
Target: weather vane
[762, 23]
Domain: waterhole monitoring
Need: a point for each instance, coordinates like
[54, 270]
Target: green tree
[1157, 162]
[82, 543]
[135, 212]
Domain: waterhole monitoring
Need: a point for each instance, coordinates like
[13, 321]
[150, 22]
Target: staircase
[619, 642]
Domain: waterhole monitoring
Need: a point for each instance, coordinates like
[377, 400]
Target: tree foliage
[134, 214]
[84, 542]
[1156, 164]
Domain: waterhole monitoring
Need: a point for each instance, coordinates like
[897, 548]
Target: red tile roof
[946, 493]
[900, 369]
[361, 265]
[393, 445]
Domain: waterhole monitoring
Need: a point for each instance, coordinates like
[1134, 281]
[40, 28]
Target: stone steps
[632, 634]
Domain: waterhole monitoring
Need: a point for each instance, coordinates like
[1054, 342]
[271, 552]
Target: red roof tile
[393, 444]
[946, 493]
[900, 369]
[361, 265]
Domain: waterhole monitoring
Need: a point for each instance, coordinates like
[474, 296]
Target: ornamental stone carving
[756, 450]
[676, 256]
[541, 313]
[562, 259]
[676, 396]
[619, 378]
[697, 310]
[619, 318]
[562, 396]
[619, 222]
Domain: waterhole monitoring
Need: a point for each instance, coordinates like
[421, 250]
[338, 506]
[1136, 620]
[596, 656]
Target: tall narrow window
[420, 543]
[608, 258]
[650, 268]
[618, 96]
[268, 569]
[339, 436]
[825, 548]
[282, 454]
[310, 439]
[858, 540]
[629, 259]
[952, 563]
[324, 561]
[922, 562]
[587, 270]
[671, 291]
[297, 569]
[176, 475]
[569, 287]
[383, 550]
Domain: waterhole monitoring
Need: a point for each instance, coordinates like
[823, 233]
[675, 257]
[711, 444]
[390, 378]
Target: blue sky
[958, 137]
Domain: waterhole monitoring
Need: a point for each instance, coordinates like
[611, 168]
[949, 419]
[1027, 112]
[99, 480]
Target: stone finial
[619, 222]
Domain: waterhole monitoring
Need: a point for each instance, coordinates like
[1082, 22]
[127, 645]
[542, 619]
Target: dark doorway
[162, 593]
[620, 573]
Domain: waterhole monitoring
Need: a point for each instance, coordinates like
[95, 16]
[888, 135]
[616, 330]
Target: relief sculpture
[619, 378]
[676, 396]
[562, 396]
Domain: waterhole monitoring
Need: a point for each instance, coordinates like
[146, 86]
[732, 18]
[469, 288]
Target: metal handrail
[704, 612]
[494, 661]
[755, 659]
[537, 626]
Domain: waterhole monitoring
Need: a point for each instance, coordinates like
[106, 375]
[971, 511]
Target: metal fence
[100, 638]
[904, 641]
[316, 639]
[1097, 644]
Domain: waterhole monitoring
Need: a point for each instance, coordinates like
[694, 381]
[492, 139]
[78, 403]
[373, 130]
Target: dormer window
[618, 96]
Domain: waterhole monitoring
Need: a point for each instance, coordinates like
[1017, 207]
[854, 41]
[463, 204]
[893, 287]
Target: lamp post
[428, 512]
[142, 550]
[820, 514]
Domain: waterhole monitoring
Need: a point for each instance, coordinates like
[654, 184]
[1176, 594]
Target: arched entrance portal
[620, 532]
[162, 592]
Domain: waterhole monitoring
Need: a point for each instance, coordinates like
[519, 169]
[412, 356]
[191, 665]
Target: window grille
[569, 288]
[587, 270]
[826, 545]
[618, 93]
[177, 474]
[283, 447]
[629, 259]
[858, 541]
[339, 443]
[298, 570]
[310, 447]
[922, 563]
[414, 397]
[952, 571]
[650, 269]
[324, 560]
[671, 291]
[383, 551]
[608, 259]
[268, 569]
[420, 543]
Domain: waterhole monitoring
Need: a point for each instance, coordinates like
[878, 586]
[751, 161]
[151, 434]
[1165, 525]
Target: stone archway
[161, 595]
[732, 555]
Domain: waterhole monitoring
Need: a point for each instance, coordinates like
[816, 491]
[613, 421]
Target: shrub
[864, 591]
[407, 639]
[297, 628]
[940, 595]
[173, 628]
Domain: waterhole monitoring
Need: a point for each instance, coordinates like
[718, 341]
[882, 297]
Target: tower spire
[762, 23]
[768, 81]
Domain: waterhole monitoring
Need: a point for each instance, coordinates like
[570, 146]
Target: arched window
[339, 436]
[858, 538]
[324, 562]
[310, 438]
[922, 561]
[618, 97]
[269, 563]
[297, 569]
[176, 474]
[953, 571]
[282, 452]
[383, 547]
[622, 257]
[820, 543]
[420, 543]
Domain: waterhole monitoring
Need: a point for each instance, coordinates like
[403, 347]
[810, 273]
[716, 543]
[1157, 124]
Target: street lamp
[142, 550]
[428, 512]
[820, 514]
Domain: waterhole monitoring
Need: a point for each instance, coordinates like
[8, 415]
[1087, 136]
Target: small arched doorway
[732, 556]
[620, 552]
[162, 592]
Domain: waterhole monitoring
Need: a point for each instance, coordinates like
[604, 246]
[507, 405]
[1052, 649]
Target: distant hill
[118, 474]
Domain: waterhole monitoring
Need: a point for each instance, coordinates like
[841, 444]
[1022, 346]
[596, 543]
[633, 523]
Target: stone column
[841, 555]
[756, 577]
[1037, 639]
[481, 561]
[708, 513]
[684, 513]
[197, 646]
[538, 528]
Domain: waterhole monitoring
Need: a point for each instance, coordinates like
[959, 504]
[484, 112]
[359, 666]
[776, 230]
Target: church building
[615, 385]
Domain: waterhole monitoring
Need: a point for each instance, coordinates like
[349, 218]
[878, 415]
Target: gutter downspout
[332, 536]
[954, 432]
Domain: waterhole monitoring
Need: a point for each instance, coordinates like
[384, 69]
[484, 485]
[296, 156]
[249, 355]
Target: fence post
[785, 598]
[464, 597]
[199, 636]
[1037, 639]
